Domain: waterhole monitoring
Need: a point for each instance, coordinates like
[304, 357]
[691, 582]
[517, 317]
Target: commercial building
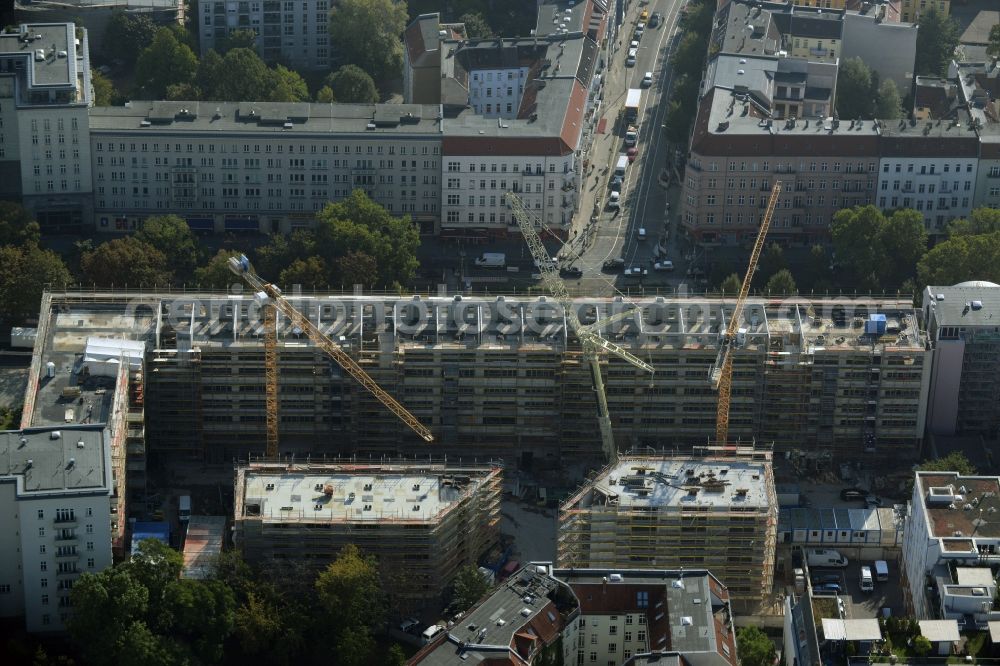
[44, 149]
[647, 511]
[422, 522]
[56, 513]
[636, 614]
[952, 525]
[532, 618]
[295, 33]
[500, 376]
[965, 376]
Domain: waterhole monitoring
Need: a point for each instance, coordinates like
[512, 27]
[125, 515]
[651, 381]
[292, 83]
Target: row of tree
[687, 63]
[353, 241]
[860, 94]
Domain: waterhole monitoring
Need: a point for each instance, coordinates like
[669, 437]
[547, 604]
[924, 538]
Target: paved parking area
[858, 604]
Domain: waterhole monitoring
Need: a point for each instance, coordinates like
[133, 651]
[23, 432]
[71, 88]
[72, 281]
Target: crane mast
[273, 302]
[590, 341]
[721, 373]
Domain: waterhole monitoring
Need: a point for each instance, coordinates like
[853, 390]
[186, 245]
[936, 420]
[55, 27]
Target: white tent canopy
[851, 630]
[102, 356]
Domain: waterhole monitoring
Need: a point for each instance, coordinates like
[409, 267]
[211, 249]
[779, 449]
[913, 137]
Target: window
[41, 531]
[593, 639]
[612, 647]
[90, 528]
[45, 600]
[642, 601]
[43, 566]
[41, 514]
[593, 656]
[41, 549]
[5, 589]
[90, 562]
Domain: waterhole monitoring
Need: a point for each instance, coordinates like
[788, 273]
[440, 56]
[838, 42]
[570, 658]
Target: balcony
[66, 521]
[70, 573]
[67, 555]
[66, 538]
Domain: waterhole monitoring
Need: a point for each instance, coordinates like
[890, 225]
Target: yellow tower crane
[721, 374]
[270, 298]
[591, 342]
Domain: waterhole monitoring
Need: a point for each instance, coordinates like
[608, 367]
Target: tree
[961, 258]
[350, 593]
[921, 645]
[325, 95]
[903, 238]
[238, 39]
[209, 70]
[288, 86]
[690, 55]
[888, 104]
[368, 35]
[355, 268]
[239, 75]
[17, 225]
[731, 285]
[172, 236]
[980, 221]
[476, 26]
[878, 252]
[106, 605]
[956, 461]
[104, 89]
[781, 284]
[155, 565]
[199, 614]
[351, 84]
[164, 63]
[854, 87]
[754, 647]
[468, 587]
[772, 260]
[358, 224]
[993, 48]
[24, 273]
[216, 274]
[125, 261]
[937, 37]
[127, 35]
[310, 272]
[396, 656]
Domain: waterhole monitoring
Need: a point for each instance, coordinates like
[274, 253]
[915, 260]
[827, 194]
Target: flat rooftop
[964, 507]
[48, 68]
[671, 483]
[44, 461]
[355, 493]
[528, 607]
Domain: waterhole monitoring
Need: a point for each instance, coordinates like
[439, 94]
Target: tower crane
[270, 298]
[721, 373]
[588, 336]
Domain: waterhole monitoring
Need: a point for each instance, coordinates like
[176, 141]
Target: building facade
[422, 522]
[965, 376]
[295, 32]
[643, 511]
[910, 9]
[56, 503]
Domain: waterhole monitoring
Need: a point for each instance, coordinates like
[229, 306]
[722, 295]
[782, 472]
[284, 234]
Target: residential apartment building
[266, 167]
[502, 377]
[423, 522]
[965, 375]
[55, 486]
[951, 524]
[292, 32]
[980, 90]
[887, 47]
[531, 618]
[44, 147]
[627, 614]
[654, 511]
[422, 57]
[910, 10]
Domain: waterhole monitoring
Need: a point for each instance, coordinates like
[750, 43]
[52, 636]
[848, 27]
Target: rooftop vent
[80, 444]
[28, 464]
[55, 434]
[976, 305]
[942, 495]
[615, 578]
[287, 126]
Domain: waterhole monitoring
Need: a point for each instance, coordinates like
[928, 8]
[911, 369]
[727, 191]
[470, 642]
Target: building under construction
[654, 512]
[422, 522]
[502, 376]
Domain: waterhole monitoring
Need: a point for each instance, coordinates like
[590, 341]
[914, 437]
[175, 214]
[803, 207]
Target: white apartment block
[261, 167]
[496, 93]
[941, 186]
[953, 520]
[44, 148]
[294, 32]
[56, 516]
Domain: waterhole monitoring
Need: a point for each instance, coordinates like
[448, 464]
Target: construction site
[719, 512]
[422, 522]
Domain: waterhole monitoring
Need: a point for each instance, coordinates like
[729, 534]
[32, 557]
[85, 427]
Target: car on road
[642, 234]
[852, 494]
[616, 183]
[634, 44]
[663, 266]
[632, 152]
[639, 29]
[636, 272]
[655, 19]
[613, 265]
[615, 200]
[630, 58]
[571, 272]
[647, 80]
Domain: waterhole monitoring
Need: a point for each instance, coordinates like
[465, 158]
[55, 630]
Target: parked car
[825, 578]
[873, 502]
[663, 266]
[829, 587]
[613, 265]
[639, 29]
[634, 44]
[615, 200]
[616, 184]
[571, 272]
[632, 152]
[655, 19]
[852, 494]
[647, 80]
[644, 16]
[409, 625]
[630, 58]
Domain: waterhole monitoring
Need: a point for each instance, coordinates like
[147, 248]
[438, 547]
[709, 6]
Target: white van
[867, 583]
[430, 632]
[621, 166]
[819, 557]
[881, 571]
